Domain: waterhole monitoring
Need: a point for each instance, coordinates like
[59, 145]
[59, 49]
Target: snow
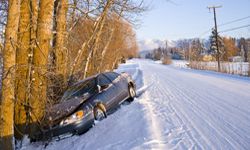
[179, 109]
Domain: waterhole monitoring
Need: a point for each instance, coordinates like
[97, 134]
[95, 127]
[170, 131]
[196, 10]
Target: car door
[108, 93]
[120, 83]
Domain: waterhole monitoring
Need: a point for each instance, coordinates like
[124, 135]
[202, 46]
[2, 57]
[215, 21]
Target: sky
[179, 19]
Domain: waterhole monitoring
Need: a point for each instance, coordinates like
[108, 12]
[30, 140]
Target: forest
[47, 46]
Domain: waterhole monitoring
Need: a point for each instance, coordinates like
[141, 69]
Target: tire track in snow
[226, 127]
[195, 144]
[177, 119]
[197, 111]
[198, 101]
[213, 96]
[223, 107]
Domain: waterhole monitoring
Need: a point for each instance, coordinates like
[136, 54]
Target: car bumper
[78, 127]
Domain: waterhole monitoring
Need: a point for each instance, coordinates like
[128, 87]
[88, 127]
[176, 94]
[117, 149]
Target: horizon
[151, 44]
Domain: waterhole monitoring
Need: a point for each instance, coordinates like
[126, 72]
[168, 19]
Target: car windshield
[80, 89]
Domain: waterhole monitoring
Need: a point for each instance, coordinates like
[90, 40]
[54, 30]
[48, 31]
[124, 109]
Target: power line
[204, 33]
[236, 28]
[233, 21]
[223, 24]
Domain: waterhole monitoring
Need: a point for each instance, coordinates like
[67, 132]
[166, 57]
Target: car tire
[100, 112]
[132, 93]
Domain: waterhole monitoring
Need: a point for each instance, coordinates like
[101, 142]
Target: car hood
[59, 111]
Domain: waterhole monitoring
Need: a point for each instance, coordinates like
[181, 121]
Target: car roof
[92, 77]
[109, 72]
[86, 79]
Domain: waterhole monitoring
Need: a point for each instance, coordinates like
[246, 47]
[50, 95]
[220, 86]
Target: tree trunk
[114, 64]
[60, 50]
[33, 5]
[21, 72]
[100, 69]
[8, 90]
[58, 54]
[40, 62]
[97, 38]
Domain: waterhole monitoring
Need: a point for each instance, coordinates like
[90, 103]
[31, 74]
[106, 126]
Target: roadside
[181, 109]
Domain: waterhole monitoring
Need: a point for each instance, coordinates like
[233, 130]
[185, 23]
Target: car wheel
[100, 112]
[132, 93]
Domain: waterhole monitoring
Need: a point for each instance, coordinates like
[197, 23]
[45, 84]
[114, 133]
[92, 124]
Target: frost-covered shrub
[166, 60]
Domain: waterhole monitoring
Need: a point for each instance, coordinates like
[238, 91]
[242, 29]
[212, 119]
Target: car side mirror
[99, 88]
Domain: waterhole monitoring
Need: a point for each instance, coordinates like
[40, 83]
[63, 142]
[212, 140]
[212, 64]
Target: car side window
[102, 80]
[112, 75]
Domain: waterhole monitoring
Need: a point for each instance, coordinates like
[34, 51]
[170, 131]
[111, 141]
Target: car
[86, 101]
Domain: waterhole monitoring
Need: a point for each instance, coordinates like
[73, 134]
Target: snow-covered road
[197, 109]
[182, 109]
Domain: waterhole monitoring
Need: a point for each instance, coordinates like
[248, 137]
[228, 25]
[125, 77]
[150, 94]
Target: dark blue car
[88, 100]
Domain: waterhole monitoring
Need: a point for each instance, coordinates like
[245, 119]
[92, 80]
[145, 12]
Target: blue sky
[191, 18]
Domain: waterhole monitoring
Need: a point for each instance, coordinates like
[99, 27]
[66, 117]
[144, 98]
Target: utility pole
[216, 34]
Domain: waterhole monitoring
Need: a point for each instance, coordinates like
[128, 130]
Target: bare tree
[8, 90]
[60, 50]
[21, 70]
[40, 62]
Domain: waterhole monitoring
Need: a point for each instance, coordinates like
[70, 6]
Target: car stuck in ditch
[86, 101]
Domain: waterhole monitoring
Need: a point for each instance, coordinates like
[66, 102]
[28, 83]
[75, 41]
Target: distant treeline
[201, 50]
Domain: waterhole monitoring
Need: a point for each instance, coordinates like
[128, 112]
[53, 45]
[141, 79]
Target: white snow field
[180, 109]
